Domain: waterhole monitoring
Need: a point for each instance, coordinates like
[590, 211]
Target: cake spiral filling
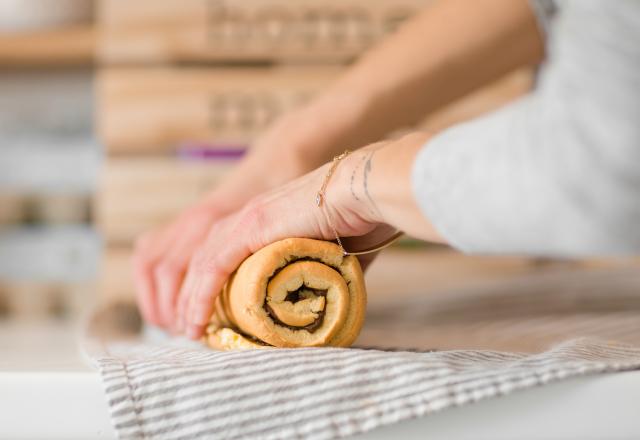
[293, 293]
[302, 308]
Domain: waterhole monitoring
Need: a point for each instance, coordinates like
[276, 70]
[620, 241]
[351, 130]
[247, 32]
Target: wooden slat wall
[137, 194]
[143, 110]
[148, 31]
[151, 110]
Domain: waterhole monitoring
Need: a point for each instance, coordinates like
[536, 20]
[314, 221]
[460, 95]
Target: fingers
[197, 259]
[228, 244]
[171, 270]
[168, 275]
[198, 286]
[288, 211]
[143, 263]
[161, 259]
[143, 281]
[158, 274]
[203, 288]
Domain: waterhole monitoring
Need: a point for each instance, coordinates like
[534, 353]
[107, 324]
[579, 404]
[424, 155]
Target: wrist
[374, 185]
[351, 192]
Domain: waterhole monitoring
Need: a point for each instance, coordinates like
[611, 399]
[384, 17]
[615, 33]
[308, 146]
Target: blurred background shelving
[247, 31]
[49, 157]
[117, 114]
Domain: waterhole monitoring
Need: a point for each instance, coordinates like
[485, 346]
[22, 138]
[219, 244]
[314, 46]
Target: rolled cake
[296, 292]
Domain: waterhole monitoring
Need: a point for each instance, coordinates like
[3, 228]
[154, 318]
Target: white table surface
[47, 396]
[71, 405]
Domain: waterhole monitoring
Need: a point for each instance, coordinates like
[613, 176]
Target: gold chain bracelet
[320, 202]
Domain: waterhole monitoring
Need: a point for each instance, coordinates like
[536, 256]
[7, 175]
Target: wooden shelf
[71, 46]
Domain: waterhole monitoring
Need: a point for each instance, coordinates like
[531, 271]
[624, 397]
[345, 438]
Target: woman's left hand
[357, 201]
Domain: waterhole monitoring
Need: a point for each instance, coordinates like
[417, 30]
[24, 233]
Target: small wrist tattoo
[353, 178]
[365, 183]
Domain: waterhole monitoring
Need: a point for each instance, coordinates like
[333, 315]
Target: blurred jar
[59, 208]
[13, 208]
[27, 15]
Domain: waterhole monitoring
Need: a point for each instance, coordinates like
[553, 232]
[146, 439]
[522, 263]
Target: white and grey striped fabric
[161, 392]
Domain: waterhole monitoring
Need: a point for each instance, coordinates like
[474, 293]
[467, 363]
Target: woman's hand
[358, 202]
[294, 145]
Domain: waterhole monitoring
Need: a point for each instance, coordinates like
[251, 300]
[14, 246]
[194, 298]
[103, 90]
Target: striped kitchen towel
[173, 392]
